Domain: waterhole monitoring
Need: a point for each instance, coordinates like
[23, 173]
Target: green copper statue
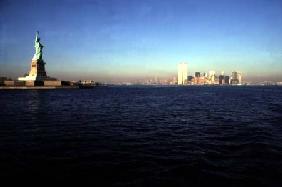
[38, 47]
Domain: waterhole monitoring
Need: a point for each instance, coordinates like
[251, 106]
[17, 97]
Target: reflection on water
[139, 136]
[33, 102]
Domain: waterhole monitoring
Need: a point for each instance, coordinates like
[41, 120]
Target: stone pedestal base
[52, 83]
[34, 83]
[14, 83]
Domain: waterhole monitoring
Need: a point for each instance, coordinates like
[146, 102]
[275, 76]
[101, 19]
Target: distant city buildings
[226, 80]
[197, 74]
[221, 79]
[209, 78]
[198, 78]
[182, 73]
[236, 78]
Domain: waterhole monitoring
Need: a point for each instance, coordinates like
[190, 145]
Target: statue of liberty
[38, 47]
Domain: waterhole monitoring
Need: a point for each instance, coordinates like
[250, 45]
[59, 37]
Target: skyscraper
[236, 78]
[226, 79]
[212, 77]
[221, 79]
[197, 74]
[182, 73]
[239, 77]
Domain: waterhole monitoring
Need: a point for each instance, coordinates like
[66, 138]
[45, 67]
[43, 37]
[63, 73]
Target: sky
[125, 40]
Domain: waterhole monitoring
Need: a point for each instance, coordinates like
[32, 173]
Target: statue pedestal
[37, 71]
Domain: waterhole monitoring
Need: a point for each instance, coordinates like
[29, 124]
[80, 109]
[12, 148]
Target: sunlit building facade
[212, 77]
[236, 78]
[182, 73]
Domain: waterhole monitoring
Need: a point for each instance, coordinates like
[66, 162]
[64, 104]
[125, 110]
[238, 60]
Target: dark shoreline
[36, 87]
[117, 85]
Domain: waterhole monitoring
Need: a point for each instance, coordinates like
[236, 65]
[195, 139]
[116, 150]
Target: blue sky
[132, 39]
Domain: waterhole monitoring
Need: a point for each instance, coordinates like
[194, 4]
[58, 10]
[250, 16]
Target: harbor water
[143, 135]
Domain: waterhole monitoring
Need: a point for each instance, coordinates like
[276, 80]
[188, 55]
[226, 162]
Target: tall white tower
[212, 76]
[182, 73]
[239, 78]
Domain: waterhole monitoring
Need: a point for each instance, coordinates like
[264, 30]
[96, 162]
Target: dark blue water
[143, 136]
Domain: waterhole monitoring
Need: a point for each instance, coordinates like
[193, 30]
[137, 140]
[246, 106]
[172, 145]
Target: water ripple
[156, 136]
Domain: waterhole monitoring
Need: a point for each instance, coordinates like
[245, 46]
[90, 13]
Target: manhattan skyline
[130, 40]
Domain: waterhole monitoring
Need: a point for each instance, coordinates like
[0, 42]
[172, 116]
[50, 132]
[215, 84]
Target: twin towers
[182, 73]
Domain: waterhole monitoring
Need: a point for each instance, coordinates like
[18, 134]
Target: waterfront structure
[182, 73]
[37, 68]
[2, 80]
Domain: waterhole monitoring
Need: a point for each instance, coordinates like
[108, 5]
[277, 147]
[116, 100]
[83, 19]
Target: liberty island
[37, 77]
[37, 71]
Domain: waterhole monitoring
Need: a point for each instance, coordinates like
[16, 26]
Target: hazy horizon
[119, 41]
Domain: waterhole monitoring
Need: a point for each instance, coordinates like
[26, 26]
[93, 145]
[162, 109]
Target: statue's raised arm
[38, 47]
